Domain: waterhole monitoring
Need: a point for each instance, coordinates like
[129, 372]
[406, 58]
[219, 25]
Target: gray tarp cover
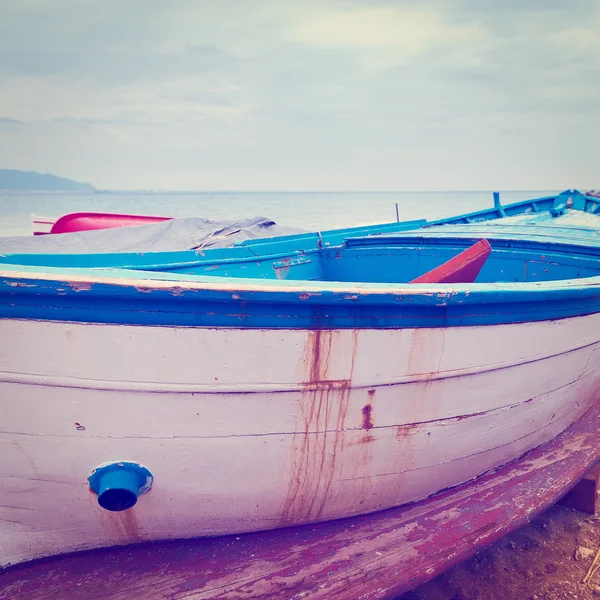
[177, 234]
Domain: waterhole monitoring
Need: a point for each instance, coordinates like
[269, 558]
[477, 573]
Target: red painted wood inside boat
[463, 268]
[371, 556]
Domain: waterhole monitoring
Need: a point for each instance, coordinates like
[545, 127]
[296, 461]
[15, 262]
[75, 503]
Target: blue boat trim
[171, 300]
[579, 202]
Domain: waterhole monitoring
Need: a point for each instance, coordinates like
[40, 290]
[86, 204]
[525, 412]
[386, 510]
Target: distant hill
[30, 181]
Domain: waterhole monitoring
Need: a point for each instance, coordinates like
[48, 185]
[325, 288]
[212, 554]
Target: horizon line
[258, 191]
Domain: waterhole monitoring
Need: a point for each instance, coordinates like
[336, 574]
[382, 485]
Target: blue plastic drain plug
[119, 484]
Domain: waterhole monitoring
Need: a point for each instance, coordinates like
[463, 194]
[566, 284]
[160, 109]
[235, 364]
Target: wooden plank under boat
[375, 556]
[290, 381]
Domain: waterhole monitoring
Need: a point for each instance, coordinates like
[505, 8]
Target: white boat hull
[247, 429]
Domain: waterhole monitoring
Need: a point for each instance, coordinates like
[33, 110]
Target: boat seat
[463, 268]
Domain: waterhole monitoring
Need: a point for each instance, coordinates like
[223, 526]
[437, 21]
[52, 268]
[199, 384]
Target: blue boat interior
[546, 239]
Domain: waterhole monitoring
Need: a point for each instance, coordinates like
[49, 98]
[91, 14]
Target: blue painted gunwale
[165, 299]
[545, 204]
[169, 299]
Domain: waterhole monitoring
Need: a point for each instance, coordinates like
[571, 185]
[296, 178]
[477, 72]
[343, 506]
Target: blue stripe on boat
[215, 302]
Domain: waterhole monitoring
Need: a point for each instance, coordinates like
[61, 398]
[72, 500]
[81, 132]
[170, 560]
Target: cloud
[411, 31]
[33, 99]
[10, 124]
[333, 93]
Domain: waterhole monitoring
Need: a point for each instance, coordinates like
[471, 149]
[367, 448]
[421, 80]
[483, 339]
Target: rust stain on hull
[322, 412]
[129, 523]
[425, 360]
[124, 526]
[361, 483]
[367, 423]
[367, 412]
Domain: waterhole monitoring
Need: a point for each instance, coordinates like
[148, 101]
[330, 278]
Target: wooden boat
[290, 386]
[87, 221]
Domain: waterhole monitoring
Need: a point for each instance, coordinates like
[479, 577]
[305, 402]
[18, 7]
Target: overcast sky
[303, 94]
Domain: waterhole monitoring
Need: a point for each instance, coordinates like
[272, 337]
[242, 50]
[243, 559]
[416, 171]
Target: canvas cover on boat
[174, 235]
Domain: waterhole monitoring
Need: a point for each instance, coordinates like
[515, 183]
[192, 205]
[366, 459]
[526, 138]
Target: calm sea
[308, 210]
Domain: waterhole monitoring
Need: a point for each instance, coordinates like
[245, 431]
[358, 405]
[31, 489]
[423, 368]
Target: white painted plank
[247, 359]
